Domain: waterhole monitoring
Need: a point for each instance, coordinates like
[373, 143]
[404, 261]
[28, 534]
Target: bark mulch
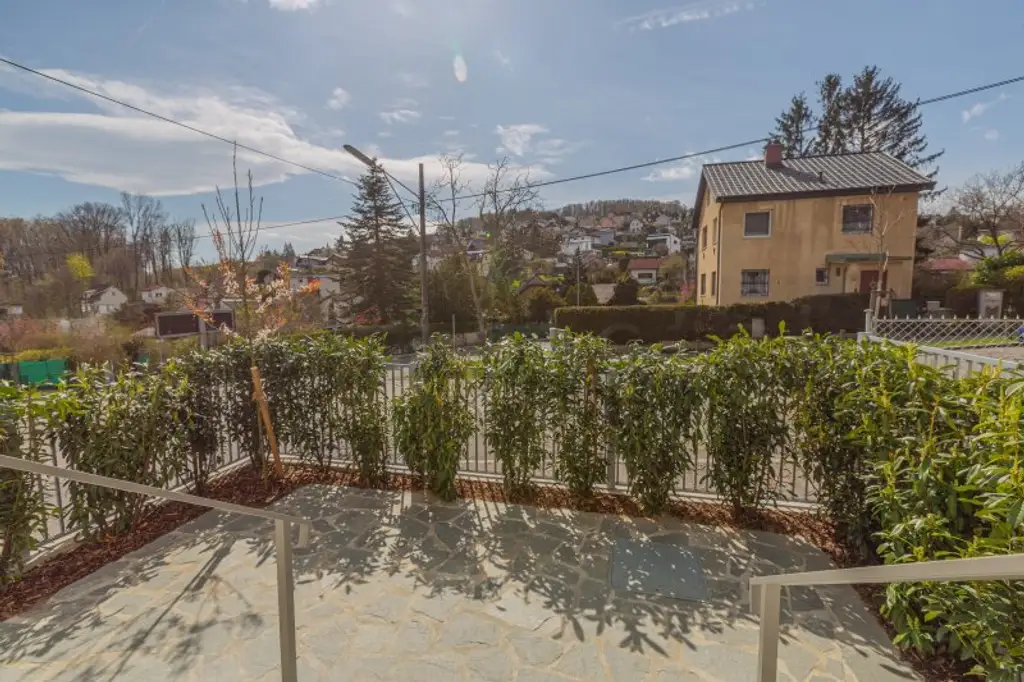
[247, 487]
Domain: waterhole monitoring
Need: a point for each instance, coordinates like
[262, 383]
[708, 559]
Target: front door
[868, 279]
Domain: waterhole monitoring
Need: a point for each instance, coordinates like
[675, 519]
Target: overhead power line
[172, 121]
[730, 147]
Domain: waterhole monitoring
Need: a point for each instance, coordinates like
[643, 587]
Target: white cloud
[106, 145]
[450, 133]
[411, 80]
[460, 68]
[383, 133]
[686, 169]
[981, 107]
[991, 135]
[404, 110]
[697, 11]
[340, 98]
[516, 139]
[292, 5]
[503, 59]
[402, 9]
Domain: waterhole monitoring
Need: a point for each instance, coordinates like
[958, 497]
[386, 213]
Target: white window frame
[767, 288]
[818, 282]
[757, 236]
[871, 220]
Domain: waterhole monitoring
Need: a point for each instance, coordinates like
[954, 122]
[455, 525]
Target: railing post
[869, 326]
[768, 637]
[286, 601]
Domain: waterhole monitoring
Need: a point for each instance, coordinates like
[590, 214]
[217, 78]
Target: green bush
[586, 295]
[653, 400]
[831, 313]
[515, 385]
[578, 411]
[40, 354]
[23, 507]
[432, 418]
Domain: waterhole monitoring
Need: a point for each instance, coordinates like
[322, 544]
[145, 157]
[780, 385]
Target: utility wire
[165, 119]
[730, 147]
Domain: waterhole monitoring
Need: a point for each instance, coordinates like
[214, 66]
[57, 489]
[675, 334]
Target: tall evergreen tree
[378, 260]
[869, 115]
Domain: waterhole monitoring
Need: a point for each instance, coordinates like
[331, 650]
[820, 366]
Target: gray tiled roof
[811, 174]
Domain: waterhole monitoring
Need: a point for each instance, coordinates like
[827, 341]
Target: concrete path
[398, 588]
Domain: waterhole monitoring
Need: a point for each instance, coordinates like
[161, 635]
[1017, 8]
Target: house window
[703, 283]
[754, 282]
[857, 218]
[704, 237]
[821, 276]
[714, 283]
[714, 231]
[757, 224]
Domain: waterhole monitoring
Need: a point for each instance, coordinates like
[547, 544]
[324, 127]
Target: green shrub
[586, 295]
[829, 313]
[41, 354]
[23, 507]
[652, 401]
[578, 411]
[432, 418]
[540, 302]
[515, 386]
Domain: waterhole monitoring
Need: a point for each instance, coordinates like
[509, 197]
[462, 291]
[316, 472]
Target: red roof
[948, 264]
[645, 264]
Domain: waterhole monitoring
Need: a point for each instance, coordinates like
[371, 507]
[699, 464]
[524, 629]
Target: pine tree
[868, 116]
[792, 127]
[378, 260]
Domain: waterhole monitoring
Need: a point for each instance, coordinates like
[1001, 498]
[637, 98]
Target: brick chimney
[773, 155]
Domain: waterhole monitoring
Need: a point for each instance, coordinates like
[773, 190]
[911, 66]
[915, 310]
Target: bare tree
[183, 234]
[506, 195]
[142, 214]
[883, 221]
[988, 212]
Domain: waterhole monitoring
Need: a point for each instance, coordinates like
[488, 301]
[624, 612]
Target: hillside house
[603, 236]
[671, 242]
[102, 301]
[579, 244]
[644, 270]
[11, 310]
[636, 227]
[777, 229]
[156, 295]
[328, 284]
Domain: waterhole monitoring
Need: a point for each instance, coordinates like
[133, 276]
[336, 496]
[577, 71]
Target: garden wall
[831, 313]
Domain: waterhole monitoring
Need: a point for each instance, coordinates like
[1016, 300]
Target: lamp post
[424, 312]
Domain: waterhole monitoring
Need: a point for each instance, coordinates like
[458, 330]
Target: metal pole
[424, 312]
[286, 601]
[768, 636]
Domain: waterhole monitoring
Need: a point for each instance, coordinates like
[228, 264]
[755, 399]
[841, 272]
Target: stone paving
[396, 587]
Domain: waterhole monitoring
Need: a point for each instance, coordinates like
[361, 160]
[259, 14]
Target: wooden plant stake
[261, 399]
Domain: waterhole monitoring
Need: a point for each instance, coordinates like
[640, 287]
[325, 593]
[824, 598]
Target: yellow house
[777, 229]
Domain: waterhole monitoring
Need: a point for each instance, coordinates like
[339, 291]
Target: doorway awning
[861, 258]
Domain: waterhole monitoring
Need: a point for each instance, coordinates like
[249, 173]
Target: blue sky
[560, 86]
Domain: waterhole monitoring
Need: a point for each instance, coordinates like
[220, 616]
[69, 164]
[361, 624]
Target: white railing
[769, 601]
[958, 363]
[282, 540]
[953, 332]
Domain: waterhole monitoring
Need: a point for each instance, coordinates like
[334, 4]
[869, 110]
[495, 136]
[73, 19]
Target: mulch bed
[245, 486]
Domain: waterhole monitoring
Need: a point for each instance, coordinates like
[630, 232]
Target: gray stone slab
[658, 569]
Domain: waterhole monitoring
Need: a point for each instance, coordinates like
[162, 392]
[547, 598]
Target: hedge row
[824, 314]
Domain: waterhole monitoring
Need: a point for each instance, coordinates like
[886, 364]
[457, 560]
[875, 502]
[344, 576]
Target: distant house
[609, 222]
[644, 270]
[11, 310]
[103, 301]
[663, 220]
[603, 236]
[948, 265]
[672, 242]
[319, 259]
[532, 283]
[328, 284]
[156, 295]
[636, 226]
[574, 245]
[604, 292]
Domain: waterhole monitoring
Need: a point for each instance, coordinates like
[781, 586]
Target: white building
[604, 236]
[329, 284]
[9, 310]
[574, 245]
[671, 242]
[636, 226]
[644, 270]
[103, 301]
[157, 295]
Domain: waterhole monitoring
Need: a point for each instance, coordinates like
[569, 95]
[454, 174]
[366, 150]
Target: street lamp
[370, 163]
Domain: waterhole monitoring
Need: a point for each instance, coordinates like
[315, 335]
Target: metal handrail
[282, 540]
[1003, 567]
